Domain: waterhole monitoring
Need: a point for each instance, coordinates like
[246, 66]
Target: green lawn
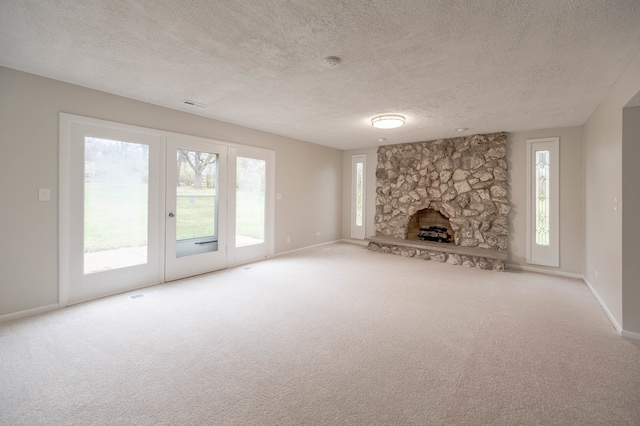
[250, 214]
[116, 216]
[195, 212]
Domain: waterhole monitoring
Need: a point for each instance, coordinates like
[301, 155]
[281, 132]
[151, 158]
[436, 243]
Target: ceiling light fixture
[387, 121]
[461, 129]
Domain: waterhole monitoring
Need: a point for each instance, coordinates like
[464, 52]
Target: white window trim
[358, 232]
[538, 254]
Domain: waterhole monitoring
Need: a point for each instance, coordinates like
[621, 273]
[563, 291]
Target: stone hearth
[465, 179]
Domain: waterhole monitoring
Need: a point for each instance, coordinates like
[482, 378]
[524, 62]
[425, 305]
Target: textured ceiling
[489, 65]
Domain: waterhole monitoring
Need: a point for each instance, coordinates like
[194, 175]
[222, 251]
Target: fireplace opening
[429, 225]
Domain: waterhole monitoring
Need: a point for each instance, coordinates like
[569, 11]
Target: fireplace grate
[434, 233]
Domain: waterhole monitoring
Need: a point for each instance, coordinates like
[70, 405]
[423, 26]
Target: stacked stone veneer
[463, 178]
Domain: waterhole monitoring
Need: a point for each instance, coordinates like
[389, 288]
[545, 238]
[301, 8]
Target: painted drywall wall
[603, 182]
[630, 209]
[571, 198]
[370, 190]
[308, 176]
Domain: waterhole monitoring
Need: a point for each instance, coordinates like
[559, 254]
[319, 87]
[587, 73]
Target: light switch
[615, 203]
[44, 194]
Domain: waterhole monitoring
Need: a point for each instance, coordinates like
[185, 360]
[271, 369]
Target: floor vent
[139, 295]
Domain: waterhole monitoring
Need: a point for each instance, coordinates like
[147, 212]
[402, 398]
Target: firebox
[429, 225]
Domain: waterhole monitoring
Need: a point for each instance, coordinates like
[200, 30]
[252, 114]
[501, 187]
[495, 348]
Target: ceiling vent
[194, 103]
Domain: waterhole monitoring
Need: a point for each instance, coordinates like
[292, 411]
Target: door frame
[64, 197]
[251, 253]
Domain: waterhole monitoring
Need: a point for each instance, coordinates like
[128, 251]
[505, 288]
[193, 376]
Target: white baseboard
[363, 243]
[518, 267]
[614, 322]
[28, 312]
[604, 307]
[630, 335]
[304, 248]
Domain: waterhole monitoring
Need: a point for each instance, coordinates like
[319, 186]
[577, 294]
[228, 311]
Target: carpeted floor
[332, 335]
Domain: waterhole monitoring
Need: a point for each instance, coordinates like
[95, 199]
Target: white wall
[308, 176]
[603, 181]
[571, 198]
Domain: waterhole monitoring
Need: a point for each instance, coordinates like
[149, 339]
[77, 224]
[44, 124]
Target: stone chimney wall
[463, 178]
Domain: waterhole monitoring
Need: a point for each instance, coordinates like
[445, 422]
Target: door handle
[172, 214]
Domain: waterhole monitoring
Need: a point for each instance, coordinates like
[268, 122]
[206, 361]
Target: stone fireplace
[459, 184]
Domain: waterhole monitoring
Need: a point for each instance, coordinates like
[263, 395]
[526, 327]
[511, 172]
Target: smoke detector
[332, 61]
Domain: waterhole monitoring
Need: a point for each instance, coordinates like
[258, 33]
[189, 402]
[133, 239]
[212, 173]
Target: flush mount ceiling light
[461, 129]
[387, 121]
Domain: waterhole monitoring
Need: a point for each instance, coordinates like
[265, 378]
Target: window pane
[359, 193]
[116, 191]
[542, 198]
[196, 216]
[250, 201]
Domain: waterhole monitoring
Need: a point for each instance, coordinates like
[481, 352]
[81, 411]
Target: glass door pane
[250, 201]
[116, 194]
[196, 207]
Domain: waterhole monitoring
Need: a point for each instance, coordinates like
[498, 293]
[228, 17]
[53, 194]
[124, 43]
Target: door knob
[172, 214]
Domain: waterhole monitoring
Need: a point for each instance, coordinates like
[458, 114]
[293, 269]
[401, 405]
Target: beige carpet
[334, 335]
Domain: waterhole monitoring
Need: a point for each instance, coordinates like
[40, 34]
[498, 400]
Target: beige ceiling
[489, 65]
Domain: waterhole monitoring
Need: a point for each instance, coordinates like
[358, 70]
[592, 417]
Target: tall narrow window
[542, 198]
[543, 202]
[358, 167]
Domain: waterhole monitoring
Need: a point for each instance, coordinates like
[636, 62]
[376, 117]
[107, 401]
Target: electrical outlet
[288, 240]
[318, 234]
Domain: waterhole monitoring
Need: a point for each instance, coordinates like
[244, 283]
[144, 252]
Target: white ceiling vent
[194, 103]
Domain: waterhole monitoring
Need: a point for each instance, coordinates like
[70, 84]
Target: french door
[140, 206]
[110, 190]
[196, 205]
